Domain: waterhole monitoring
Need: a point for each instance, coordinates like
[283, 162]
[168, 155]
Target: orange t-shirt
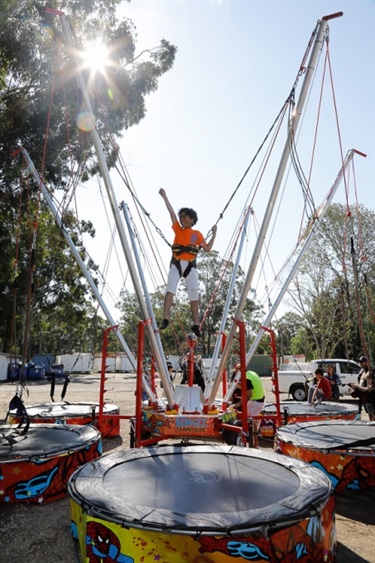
[187, 237]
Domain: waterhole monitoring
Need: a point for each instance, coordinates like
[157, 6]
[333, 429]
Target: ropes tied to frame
[289, 102]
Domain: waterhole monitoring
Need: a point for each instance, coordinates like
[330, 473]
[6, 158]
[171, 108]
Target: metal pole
[163, 370]
[112, 199]
[227, 304]
[77, 257]
[310, 70]
[311, 231]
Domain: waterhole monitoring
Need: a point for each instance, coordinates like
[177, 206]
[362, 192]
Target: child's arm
[168, 205]
[208, 245]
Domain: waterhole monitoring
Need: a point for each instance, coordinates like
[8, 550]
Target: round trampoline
[36, 462]
[297, 411]
[73, 413]
[201, 504]
[343, 450]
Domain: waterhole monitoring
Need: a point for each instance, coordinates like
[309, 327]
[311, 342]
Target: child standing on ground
[185, 248]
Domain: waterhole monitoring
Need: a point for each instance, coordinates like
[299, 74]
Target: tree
[329, 290]
[39, 93]
[44, 299]
[286, 330]
[214, 280]
[41, 109]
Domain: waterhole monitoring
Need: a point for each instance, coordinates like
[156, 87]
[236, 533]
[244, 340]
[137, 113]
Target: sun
[96, 57]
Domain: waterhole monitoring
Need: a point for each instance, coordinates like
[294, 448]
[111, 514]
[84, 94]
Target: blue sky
[235, 66]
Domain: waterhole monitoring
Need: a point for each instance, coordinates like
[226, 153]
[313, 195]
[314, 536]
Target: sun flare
[96, 56]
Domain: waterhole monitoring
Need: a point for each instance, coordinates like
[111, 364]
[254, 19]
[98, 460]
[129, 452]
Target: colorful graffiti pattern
[346, 470]
[109, 426]
[312, 539]
[205, 426]
[44, 480]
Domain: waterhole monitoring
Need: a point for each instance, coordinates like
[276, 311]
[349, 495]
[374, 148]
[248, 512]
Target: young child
[320, 391]
[186, 245]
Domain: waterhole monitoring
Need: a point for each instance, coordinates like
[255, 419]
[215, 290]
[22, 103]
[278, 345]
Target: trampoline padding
[328, 435]
[294, 411]
[204, 488]
[343, 450]
[302, 409]
[81, 413]
[36, 463]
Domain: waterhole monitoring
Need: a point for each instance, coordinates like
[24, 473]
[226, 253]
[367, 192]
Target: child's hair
[190, 212]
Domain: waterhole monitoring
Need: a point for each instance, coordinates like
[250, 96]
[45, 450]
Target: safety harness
[180, 249]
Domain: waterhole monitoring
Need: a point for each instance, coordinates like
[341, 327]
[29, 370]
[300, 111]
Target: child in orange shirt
[185, 248]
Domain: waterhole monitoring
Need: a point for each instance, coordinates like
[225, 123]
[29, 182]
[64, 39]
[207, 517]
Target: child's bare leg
[195, 316]
[194, 312]
[168, 302]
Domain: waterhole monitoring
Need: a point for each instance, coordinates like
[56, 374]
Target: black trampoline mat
[184, 482]
[330, 434]
[299, 408]
[198, 487]
[42, 440]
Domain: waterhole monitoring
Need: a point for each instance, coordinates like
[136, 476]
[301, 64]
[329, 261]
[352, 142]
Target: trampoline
[36, 463]
[81, 413]
[297, 411]
[206, 503]
[343, 450]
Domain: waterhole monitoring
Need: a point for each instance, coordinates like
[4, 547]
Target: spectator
[365, 391]
[334, 381]
[322, 390]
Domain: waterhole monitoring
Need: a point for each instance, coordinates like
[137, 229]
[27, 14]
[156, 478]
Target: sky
[235, 65]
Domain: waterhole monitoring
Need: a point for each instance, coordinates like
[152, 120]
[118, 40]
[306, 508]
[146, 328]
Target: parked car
[296, 382]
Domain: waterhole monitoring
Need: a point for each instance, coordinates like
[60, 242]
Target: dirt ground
[36, 533]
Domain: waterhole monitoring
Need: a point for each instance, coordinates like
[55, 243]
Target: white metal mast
[309, 235]
[115, 207]
[322, 30]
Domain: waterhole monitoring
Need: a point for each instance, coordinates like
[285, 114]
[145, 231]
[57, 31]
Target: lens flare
[84, 121]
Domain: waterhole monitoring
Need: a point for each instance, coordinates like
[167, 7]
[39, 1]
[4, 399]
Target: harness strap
[180, 249]
[177, 263]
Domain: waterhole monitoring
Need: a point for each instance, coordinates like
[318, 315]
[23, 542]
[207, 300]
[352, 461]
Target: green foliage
[38, 67]
[214, 280]
[41, 281]
[40, 108]
[334, 291]
[302, 343]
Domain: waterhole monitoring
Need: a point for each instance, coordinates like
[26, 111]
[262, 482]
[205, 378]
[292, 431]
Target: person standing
[334, 381]
[185, 248]
[321, 391]
[254, 393]
[365, 388]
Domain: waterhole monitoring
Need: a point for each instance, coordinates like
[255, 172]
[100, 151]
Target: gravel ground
[35, 533]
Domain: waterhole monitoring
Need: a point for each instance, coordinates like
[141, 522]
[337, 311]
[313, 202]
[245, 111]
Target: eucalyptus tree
[214, 280]
[334, 291]
[41, 109]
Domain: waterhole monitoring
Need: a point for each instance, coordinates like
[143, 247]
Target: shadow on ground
[346, 555]
[350, 505]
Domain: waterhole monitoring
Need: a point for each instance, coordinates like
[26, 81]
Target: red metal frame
[275, 376]
[247, 428]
